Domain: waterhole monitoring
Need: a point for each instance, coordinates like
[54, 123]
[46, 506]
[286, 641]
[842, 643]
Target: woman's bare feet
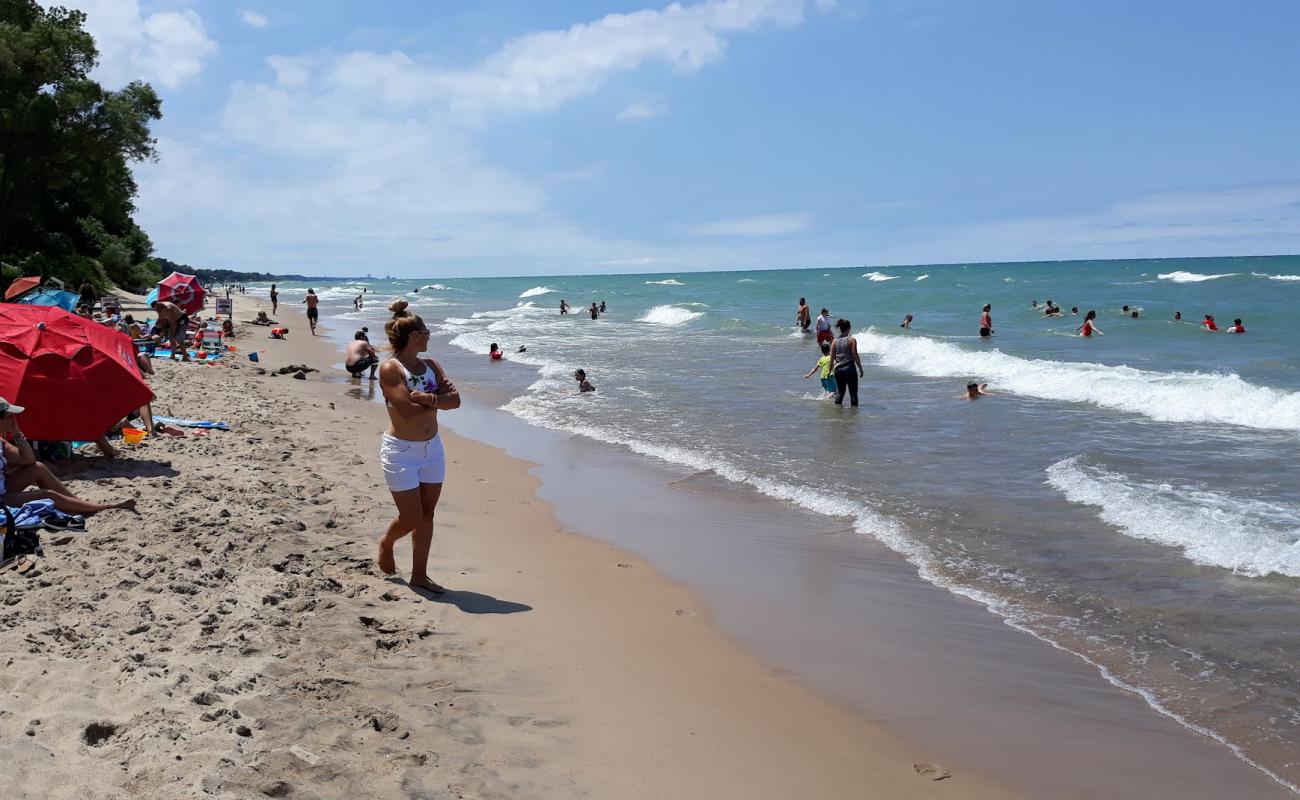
[387, 564]
[427, 584]
[125, 505]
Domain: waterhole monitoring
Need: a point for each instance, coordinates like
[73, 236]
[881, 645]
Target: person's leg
[107, 449]
[374, 365]
[146, 418]
[409, 513]
[67, 503]
[422, 538]
[37, 475]
[853, 387]
[841, 384]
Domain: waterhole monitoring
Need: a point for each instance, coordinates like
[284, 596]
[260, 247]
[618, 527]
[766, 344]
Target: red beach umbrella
[183, 290]
[21, 285]
[75, 377]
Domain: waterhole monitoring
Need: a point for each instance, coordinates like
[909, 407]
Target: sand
[236, 640]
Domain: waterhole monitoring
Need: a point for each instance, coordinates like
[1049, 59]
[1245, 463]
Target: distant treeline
[218, 277]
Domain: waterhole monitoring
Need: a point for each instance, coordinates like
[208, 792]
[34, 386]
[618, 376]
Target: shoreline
[236, 638]
[1087, 719]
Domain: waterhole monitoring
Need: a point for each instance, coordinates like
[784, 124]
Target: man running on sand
[178, 323]
[312, 312]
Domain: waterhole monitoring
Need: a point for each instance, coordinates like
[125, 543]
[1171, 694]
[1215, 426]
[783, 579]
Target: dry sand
[235, 639]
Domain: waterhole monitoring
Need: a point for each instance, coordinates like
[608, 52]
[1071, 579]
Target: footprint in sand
[682, 612]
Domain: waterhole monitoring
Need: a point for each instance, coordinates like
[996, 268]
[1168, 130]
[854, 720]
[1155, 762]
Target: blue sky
[488, 138]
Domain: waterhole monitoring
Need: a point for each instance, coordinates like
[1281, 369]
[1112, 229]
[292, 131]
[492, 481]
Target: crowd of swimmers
[596, 309]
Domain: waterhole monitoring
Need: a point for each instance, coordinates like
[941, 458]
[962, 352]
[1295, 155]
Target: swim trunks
[313, 313]
[985, 332]
[408, 464]
[829, 384]
[362, 365]
[824, 336]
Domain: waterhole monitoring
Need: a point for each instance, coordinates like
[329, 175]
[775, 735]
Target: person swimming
[1208, 322]
[1074, 311]
[1088, 328]
[907, 322]
[584, 385]
[975, 390]
[1134, 314]
[494, 352]
[1178, 316]
[1237, 327]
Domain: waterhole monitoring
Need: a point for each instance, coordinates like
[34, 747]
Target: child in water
[824, 364]
[1088, 328]
[975, 390]
[1208, 322]
[494, 352]
[584, 385]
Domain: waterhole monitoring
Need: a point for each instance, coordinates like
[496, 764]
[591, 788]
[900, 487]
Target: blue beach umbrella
[50, 297]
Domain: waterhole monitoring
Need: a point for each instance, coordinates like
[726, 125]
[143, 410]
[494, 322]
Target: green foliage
[66, 145]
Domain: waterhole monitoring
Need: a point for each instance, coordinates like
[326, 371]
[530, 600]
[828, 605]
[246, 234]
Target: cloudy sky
[505, 138]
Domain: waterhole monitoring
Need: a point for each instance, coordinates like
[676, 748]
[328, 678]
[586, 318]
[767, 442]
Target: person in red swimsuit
[1208, 322]
[1088, 328]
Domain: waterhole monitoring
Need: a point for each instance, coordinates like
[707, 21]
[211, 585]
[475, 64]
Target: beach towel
[42, 513]
[192, 423]
[212, 355]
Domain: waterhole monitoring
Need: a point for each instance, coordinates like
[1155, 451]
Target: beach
[236, 640]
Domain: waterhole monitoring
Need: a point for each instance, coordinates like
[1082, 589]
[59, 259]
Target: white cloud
[252, 19]
[1244, 220]
[541, 71]
[637, 111]
[759, 225]
[165, 47]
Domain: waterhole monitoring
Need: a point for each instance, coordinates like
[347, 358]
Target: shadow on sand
[472, 602]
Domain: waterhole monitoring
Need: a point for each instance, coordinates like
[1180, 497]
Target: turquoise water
[1131, 497]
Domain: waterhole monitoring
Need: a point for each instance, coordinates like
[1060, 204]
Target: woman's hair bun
[398, 307]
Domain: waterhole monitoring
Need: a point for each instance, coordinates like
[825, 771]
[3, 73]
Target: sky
[428, 138]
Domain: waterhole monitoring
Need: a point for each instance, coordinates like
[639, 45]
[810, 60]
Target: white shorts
[408, 464]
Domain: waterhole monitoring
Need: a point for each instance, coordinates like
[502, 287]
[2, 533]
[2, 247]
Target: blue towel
[192, 423]
[36, 513]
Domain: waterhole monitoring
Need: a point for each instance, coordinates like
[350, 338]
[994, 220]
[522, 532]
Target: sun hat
[6, 406]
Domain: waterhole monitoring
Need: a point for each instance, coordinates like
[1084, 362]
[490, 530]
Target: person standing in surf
[986, 321]
[275, 299]
[410, 452]
[803, 317]
[846, 364]
[824, 335]
[1088, 328]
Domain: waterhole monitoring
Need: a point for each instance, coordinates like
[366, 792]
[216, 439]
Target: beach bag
[16, 543]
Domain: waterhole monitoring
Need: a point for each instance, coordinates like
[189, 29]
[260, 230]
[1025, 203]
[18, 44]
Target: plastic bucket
[132, 435]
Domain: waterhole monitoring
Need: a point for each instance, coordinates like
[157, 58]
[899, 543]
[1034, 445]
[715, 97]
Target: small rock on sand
[932, 771]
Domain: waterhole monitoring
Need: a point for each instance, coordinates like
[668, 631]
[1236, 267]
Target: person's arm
[401, 399]
[856, 359]
[447, 397]
[816, 367]
[18, 452]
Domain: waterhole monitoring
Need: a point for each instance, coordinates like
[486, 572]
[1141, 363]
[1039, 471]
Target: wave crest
[1250, 537]
[879, 276]
[671, 316]
[1192, 277]
[665, 282]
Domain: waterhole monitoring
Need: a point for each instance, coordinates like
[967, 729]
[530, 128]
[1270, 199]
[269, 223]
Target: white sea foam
[1284, 277]
[536, 291]
[671, 316]
[665, 282]
[1250, 537]
[879, 276]
[922, 277]
[746, 280]
[438, 287]
[1165, 396]
[1192, 277]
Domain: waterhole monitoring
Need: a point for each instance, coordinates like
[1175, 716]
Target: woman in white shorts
[411, 450]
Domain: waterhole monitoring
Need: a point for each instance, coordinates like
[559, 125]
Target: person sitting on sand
[584, 385]
[824, 364]
[494, 352]
[361, 356]
[410, 452]
[1237, 327]
[1088, 328]
[975, 390]
[228, 328]
[19, 469]
[907, 322]
[177, 322]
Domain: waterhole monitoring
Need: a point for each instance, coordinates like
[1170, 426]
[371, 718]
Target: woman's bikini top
[424, 382]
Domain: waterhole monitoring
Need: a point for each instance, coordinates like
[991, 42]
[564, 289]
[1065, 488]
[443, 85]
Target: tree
[67, 194]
